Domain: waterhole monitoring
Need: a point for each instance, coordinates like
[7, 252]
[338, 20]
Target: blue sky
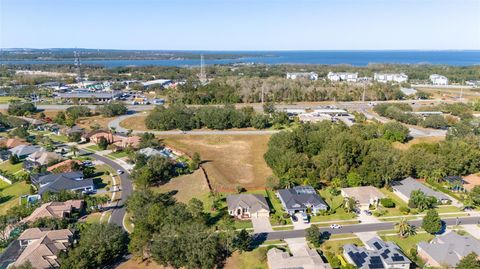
[241, 24]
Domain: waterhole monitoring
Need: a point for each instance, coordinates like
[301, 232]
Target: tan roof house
[304, 257]
[55, 210]
[12, 142]
[364, 195]
[43, 246]
[43, 157]
[126, 141]
[246, 206]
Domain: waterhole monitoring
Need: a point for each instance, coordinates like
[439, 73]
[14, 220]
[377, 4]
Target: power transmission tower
[78, 65]
[202, 76]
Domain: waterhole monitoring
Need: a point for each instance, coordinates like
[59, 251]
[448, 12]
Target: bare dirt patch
[473, 180]
[418, 140]
[134, 264]
[229, 160]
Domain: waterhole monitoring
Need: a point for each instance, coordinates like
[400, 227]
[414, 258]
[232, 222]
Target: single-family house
[404, 188]
[68, 131]
[455, 183]
[65, 166]
[42, 247]
[377, 254]
[304, 257]
[12, 142]
[301, 199]
[123, 142]
[366, 196]
[23, 151]
[40, 158]
[55, 210]
[389, 77]
[246, 206]
[447, 249]
[305, 75]
[437, 79]
[72, 181]
[342, 76]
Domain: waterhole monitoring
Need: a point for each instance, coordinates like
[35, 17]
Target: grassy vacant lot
[94, 120]
[336, 246]
[398, 203]
[418, 140]
[11, 193]
[59, 138]
[255, 259]
[134, 264]
[229, 160]
[11, 168]
[187, 187]
[136, 122]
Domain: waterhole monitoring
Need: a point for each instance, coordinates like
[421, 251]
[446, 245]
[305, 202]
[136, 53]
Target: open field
[94, 120]
[473, 180]
[135, 123]
[418, 140]
[229, 161]
[187, 186]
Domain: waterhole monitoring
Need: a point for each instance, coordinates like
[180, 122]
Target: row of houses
[435, 79]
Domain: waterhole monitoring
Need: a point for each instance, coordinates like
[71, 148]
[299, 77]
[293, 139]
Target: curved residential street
[358, 228]
[118, 212]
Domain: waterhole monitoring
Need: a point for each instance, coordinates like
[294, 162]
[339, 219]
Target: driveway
[261, 225]
[364, 218]
[299, 224]
[297, 246]
[365, 236]
[472, 229]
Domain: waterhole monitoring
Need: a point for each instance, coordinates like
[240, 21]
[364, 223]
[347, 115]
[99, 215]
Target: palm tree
[350, 204]
[74, 150]
[404, 229]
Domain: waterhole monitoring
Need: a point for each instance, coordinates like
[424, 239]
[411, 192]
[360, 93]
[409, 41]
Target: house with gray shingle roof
[246, 206]
[300, 199]
[23, 151]
[72, 181]
[447, 249]
[377, 254]
[404, 189]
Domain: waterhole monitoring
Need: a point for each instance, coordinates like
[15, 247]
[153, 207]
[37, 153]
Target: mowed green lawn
[410, 242]
[11, 193]
[7, 99]
[11, 168]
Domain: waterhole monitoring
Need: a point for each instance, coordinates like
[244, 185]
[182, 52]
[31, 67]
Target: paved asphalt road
[357, 228]
[118, 213]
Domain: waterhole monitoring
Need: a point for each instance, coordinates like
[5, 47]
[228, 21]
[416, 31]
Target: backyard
[11, 168]
[11, 193]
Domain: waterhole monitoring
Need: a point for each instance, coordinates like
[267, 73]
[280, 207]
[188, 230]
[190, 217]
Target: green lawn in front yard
[94, 217]
[117, 155]
[448, 209]
[102, 179]
[398, 203]
[59, 138]
[7, 99]
[335, 203]
[93, 148]
[11, 168]
[11, 193]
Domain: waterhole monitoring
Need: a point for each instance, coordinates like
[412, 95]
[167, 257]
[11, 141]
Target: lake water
[356, 58]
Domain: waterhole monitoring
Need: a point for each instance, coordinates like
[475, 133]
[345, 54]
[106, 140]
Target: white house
[342, 76]
[438, 79]
[384, 77]
[307, 75]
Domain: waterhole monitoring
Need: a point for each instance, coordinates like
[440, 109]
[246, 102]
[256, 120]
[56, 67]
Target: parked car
[119, 171]
[367, 212]
[305, 217]
[335, 226]
[294, 218]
